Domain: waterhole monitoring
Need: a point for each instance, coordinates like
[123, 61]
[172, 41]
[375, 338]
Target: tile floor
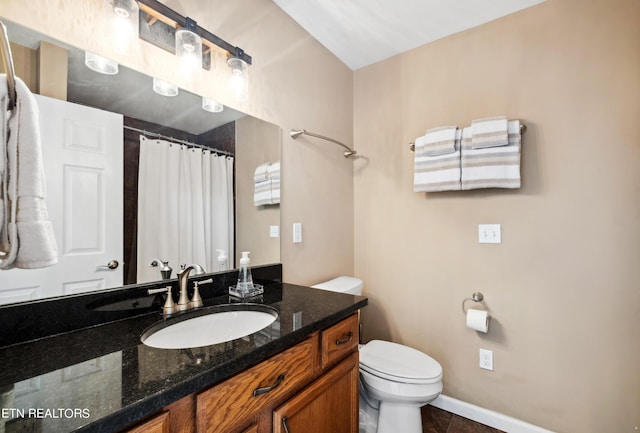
[436, 420]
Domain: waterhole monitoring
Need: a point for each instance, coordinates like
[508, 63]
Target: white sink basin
[206, 329]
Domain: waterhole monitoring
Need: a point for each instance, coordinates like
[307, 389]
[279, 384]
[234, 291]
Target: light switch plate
[297, 233]
[489, 234]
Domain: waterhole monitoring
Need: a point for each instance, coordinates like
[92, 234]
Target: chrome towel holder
[7, 61]
[295, 133]
[523, 129]
[475, 297]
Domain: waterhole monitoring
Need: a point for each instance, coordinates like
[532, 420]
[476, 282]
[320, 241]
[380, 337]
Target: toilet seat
[398, 363]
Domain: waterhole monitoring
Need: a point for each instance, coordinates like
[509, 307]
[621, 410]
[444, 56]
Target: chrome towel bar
[295, 133]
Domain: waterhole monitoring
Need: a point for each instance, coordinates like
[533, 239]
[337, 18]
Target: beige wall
[563, 287]
[294, 82]
[257, 142]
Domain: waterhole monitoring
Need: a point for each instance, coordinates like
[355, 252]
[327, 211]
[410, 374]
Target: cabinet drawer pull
[258, 391]
[346, 339]
[285, 424]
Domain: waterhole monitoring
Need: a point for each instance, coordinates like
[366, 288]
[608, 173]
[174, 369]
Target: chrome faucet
[183, 280]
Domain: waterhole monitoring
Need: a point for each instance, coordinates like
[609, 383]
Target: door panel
[82, 152]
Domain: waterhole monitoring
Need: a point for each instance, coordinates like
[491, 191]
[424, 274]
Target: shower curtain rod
[177, 141]
[295, 133]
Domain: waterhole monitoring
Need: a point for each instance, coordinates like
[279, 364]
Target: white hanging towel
[28, 238]
[489, 132]
[439, 172]
[491, 167]
[262, 185]
[274, 176]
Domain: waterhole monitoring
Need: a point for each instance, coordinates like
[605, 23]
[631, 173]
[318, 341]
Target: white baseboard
[485, 416]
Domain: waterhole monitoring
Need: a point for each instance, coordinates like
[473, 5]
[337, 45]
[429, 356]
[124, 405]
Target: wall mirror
[180, 119]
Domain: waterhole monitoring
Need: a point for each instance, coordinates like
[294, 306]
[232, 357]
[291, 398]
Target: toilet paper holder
[475, 297]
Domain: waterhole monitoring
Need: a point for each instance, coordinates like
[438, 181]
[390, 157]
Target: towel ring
[475, 297]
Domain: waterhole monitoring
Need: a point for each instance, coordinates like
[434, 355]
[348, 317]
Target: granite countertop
[101, 378]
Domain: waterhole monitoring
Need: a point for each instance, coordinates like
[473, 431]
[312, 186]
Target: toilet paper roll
[478, 320]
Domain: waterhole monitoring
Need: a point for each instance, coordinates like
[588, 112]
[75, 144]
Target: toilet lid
[399, 363]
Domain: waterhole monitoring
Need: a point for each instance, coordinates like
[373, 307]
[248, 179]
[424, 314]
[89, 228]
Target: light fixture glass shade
[123, 17]
[239, 78]
[211, 105]
[164, 88]
[100, 64]
[189, 50]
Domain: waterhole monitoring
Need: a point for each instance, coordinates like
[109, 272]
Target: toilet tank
[349, 285]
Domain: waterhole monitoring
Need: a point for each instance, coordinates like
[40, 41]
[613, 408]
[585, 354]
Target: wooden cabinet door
[328, 405]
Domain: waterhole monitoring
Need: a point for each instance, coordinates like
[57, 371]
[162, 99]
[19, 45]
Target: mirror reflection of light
[211, 105]
[100, 64]
[164, 88]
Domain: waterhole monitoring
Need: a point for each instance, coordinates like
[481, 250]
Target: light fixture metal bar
[173, 19]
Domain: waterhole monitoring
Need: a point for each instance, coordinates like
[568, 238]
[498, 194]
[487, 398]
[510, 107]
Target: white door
[82, 150]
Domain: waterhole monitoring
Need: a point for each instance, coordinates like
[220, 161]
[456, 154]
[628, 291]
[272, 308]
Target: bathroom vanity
[299, 371]
[314, 383]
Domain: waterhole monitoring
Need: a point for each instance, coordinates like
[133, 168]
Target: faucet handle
[196, 300]
[169, 306]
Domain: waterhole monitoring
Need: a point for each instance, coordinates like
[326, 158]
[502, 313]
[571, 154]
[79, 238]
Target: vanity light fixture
[159, 24]
[123, 17]
[239, 76]
[100, 64]
[164, 88]
[211, 105]
[189, 47]
[124, 8]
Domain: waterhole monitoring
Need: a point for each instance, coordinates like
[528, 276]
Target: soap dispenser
[222, 260]
[245, 287]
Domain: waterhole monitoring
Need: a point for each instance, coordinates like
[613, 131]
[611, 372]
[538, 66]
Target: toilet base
[405, 418]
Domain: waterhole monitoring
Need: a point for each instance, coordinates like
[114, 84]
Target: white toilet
[395, 380]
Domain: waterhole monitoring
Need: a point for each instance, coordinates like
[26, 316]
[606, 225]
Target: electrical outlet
[486, 359]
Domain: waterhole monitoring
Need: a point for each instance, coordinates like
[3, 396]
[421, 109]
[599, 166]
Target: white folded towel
[489, 132]
[262, 193]
[437, 173]
[262, 172]
[492, 167]
[274, 176]
[266, 189]
[437, 141]
[29, 234]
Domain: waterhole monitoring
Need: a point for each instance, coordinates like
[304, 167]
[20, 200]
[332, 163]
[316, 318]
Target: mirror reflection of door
[82, 153]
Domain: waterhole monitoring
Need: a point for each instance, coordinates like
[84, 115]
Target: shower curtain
[185, 207]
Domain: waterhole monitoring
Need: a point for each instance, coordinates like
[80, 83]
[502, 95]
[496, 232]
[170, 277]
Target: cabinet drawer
[157, 424]
[222, 408]
[339, 340]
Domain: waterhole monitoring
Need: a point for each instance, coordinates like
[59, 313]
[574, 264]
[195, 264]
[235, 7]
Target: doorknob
[113, 264]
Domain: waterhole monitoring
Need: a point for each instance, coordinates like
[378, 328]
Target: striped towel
[489, 132]
[492, 167]
[266, 189]
[437, 141]
[262, 193]
[274, 176]
[437, 173]
[262, 172]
